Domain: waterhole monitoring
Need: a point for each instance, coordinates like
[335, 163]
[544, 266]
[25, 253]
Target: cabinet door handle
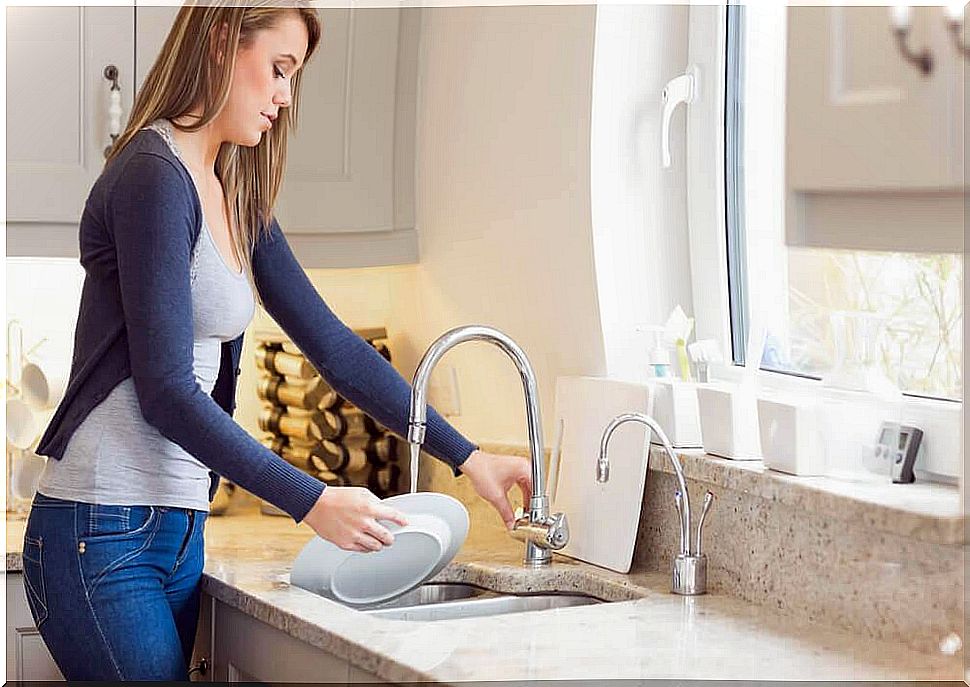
[114, 107]
[202, 667]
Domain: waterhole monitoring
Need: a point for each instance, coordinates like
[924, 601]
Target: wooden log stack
[312, 427]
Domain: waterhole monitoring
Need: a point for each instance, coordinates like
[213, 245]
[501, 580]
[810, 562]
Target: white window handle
[682, 89]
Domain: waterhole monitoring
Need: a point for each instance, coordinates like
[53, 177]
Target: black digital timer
[900, 449]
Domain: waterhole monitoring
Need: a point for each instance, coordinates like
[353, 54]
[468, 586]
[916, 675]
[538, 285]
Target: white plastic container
[729, 421]
[674, 406]
[790, 440]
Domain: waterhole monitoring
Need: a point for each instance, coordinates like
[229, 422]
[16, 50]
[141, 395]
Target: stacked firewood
[314, 428]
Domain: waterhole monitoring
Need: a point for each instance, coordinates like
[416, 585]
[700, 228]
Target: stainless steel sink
[432, 593]
[450, 601]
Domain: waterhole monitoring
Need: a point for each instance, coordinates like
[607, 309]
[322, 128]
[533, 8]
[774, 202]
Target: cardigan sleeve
[151, 219]
[351, 366]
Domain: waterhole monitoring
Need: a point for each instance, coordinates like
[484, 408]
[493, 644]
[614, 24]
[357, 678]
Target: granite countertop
[646, 633]
[923, 511]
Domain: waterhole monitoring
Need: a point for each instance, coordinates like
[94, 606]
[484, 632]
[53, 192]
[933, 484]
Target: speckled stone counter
[646, 633]
[875, 559]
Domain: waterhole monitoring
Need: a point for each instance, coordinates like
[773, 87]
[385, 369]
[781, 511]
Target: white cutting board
[603, 518]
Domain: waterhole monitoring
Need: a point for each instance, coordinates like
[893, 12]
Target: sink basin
[450, 601]
[432, 593]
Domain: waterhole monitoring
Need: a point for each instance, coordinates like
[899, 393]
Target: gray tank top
[115, 456]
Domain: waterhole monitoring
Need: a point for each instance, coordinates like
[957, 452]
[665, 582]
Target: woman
[177, 238]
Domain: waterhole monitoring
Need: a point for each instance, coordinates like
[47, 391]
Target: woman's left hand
[493, 474]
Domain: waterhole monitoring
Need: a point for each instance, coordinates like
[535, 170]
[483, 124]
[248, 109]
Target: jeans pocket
[113, 537]
[101, 522]
[34, 585]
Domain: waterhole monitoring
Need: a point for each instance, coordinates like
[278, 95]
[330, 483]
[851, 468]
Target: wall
[534, 153]
[502, 210]
[639, 208]
[502, 205]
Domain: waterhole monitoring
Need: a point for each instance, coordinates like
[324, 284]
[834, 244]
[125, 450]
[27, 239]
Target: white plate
[315, 566]
[448, 508]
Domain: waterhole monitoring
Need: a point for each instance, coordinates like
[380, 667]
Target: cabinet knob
[114, 107]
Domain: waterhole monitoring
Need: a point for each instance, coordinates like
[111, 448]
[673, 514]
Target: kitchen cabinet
[875, 153]
[245, 649]
[348, 153]
[347, 198]
[27, 655]
[235, 646]
[57, 112]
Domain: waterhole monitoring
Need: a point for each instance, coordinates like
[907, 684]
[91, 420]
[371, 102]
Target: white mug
[22, 423]
[25, 473]
[25, 424]
[43, 381]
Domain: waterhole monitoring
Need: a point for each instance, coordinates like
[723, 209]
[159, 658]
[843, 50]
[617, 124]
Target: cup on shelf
[25, 473]
[25, 424]
[43, 381]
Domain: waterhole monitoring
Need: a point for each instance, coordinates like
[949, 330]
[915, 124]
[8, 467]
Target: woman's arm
[151, 219]
[348, 363]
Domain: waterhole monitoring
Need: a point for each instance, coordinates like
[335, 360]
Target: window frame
[708, 206]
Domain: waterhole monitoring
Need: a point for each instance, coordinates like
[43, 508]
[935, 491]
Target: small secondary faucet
[542, 533]
[690, 565]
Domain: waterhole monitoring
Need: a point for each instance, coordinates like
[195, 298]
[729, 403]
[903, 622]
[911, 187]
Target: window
[748, 276]
[900, 311]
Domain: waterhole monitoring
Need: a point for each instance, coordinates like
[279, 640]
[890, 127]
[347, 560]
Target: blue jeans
[114, 590]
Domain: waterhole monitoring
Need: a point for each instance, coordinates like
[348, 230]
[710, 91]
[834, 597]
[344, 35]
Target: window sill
[925, 511]
[940, 454]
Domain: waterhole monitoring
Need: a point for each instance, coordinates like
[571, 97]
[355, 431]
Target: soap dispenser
[659, 357]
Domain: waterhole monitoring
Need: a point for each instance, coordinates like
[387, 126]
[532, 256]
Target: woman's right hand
[348, 517]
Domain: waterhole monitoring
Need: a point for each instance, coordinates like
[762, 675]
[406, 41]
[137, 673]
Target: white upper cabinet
[152, 24]
[874, 146]
[57, 106]
[859, 116]
[348, 192]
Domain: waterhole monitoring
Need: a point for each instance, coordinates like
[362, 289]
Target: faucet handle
[558, 532]
[552, 533]
[708, 500]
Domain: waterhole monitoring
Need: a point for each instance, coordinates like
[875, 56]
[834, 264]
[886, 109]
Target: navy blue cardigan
[137, 231]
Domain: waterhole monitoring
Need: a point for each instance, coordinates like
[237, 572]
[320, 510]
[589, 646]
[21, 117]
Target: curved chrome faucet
[541, 532]
[690, 565]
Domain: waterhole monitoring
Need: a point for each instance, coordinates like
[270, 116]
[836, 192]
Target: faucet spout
[690, 565]
[603, 465]
[538, 549]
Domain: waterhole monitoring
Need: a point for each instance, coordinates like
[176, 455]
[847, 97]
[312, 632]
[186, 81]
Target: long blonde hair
[185, 76]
